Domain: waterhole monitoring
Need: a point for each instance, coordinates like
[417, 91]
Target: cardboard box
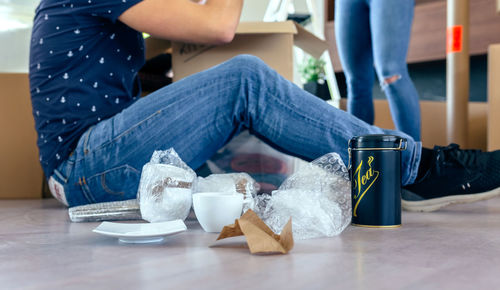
[271, 41]
[434, 122]
[494, 97]
[20, 171]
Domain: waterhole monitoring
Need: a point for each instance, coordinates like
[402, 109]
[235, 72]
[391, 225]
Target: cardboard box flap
[309, 42]
[302, 38]
[266, 27]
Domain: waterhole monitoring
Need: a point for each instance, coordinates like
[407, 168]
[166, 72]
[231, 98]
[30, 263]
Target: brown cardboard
[494, 97]
[156, 46]
[20, 171]
[434, 122]
[260, 238]
[271, 41]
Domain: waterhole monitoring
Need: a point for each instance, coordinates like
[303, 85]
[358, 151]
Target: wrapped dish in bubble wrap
[317, 197]
[166, 187]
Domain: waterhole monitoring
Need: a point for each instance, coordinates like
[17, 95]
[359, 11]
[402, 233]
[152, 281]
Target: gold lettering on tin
[363, 181]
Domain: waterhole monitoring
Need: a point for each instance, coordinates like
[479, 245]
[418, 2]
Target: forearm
[183, 20]
[225, 16]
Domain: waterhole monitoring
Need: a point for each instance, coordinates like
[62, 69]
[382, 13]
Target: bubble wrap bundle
[166, 187]
[230, 182]
[317, 197]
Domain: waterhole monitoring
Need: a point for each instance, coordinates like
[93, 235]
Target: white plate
[141, 233]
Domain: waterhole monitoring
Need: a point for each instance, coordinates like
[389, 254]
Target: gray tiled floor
[455, 248]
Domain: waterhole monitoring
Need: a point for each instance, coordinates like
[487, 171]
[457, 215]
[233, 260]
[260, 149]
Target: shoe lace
[452, 154]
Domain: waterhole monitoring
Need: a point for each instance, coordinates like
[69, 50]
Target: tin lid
[378, 141]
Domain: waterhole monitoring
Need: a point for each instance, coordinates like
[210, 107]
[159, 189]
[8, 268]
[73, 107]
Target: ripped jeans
[377, 32]
[197, 116]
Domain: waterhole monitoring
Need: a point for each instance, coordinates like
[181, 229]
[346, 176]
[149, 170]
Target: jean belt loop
[60, 176]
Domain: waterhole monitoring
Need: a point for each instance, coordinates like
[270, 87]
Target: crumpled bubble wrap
[317, 197]
[166, 187]
[230, 182]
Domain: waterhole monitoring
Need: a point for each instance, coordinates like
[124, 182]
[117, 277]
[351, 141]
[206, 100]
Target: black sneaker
[455, 176]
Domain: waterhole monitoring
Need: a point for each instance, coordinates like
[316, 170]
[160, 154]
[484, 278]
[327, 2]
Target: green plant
[313, 70]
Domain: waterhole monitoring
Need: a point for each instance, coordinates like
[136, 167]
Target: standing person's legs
[390, 22]
[352, 33]
[198, 115]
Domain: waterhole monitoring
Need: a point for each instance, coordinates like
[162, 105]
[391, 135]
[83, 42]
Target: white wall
[254, 10]
[16, 17]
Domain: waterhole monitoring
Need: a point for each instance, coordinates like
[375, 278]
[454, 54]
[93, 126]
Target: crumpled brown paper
[260, 238]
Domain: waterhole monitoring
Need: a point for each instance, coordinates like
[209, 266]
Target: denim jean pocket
[118, 183]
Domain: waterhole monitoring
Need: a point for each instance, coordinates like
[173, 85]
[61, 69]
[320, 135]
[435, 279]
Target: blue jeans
[197, 116]
[377, 32]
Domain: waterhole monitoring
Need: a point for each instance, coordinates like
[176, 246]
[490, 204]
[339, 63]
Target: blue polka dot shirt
[83, 69]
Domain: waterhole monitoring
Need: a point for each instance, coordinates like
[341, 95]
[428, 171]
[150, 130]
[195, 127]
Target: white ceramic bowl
[214, 210]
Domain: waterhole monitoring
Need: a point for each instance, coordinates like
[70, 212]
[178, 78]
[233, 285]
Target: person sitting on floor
[95, 132]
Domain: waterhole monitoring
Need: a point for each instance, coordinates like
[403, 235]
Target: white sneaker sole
[437, 203]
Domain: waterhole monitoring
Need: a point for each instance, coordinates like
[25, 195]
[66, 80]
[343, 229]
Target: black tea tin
[375, 171]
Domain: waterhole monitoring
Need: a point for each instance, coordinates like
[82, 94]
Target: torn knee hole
[391, 79]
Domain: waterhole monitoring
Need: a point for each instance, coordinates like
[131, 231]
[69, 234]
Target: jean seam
[115, 168]
[416, 162]
[87, 193]
[86, 140]
[106, 188]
